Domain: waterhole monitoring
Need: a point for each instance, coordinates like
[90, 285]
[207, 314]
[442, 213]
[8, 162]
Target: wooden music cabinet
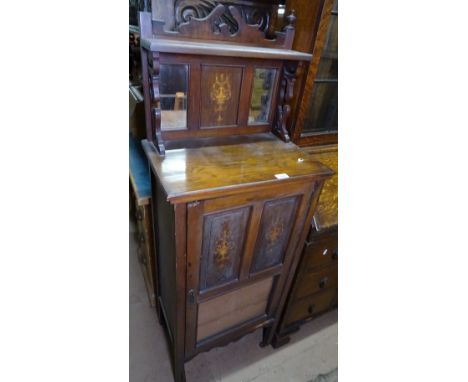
[232, 199]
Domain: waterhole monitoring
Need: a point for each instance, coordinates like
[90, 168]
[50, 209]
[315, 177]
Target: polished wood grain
[308, 18]
[195, 174]
[326, 215]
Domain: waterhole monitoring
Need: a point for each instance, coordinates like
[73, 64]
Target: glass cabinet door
[322, 106]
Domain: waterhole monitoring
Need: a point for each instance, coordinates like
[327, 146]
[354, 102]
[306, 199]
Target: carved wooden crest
[226, 21]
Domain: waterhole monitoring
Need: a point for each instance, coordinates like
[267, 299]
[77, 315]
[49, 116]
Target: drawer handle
[323, 282]
[191, 296]
[335, 255]
[311, 308]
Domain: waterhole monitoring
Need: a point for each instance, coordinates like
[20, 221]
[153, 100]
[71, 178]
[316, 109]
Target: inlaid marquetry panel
[223, 243]
[275, 228]
[220, 90]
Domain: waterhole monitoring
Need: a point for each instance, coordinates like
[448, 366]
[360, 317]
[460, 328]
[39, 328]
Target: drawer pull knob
[323, 282]
[191, 296]
[311, 308]
[325, 251]
[335, 255]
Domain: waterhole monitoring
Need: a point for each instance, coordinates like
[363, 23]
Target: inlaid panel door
[239, 251]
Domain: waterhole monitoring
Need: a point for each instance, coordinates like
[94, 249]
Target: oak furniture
[315, 121]
[314, 289]
[232, 198]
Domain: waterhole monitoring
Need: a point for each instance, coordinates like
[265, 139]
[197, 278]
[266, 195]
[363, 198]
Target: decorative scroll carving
[285, 96]
[155, 99]
[253, 14]
[226, 21]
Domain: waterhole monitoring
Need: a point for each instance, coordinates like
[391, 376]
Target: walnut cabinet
[232, 198]
[229, 235]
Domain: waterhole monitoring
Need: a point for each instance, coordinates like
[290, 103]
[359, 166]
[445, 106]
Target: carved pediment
[240, 22]
[257, 14]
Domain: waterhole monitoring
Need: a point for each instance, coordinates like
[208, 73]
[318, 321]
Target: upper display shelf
[172, 45]
[226, 30]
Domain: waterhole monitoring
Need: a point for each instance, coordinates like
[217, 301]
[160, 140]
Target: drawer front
[321, 252]
[311, 306]
[315, 281]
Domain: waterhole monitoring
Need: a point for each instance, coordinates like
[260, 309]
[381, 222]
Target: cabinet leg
[179, 371]
[279, 341]
[265, 337]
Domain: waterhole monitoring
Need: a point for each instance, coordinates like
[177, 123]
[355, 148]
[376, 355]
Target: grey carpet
[332, 376]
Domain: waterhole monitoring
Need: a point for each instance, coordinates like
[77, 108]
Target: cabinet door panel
[233, 308]
[220, 93]
[275, 228]
[227, 237]
[223, 241]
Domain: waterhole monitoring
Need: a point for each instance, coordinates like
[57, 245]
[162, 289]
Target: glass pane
[173, 92]
[262, 89]
[328, 67]
[322, 111]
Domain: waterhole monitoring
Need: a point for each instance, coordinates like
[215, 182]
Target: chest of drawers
[315, 285]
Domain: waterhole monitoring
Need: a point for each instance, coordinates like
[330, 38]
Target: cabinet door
[239, 251]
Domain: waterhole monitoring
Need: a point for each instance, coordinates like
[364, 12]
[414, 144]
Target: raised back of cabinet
[218, 75]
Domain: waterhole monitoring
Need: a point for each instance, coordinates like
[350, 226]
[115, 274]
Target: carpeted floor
[332, 376]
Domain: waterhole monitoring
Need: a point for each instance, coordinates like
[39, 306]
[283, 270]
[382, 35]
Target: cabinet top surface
[326, 215]
[199, 173]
